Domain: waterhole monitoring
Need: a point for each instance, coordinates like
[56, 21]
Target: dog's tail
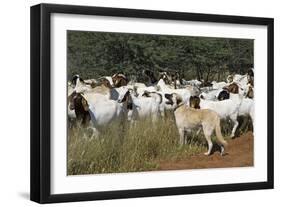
[218, 133]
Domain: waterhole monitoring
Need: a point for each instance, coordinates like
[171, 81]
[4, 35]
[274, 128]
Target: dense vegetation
[120, 148]
[95, 54]
[134, 149]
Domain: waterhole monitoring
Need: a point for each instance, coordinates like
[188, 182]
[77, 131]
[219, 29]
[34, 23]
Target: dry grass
[121, 148]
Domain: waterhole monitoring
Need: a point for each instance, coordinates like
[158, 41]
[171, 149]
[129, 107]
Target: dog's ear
[81, 80]
[197, 101]
[191, 102]
[194, 102]
[179, 99]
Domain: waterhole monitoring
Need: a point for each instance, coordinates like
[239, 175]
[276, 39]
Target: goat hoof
[207, 153]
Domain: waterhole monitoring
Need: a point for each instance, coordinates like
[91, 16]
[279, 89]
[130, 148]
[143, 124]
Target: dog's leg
[210, 145]
[208, 132]
[181, 132]
[187, 134]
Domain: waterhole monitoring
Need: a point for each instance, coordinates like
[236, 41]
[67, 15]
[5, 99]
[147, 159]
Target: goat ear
[125, 97]
[135, 90]
[85, 104]
[116, 82]
[81, 79]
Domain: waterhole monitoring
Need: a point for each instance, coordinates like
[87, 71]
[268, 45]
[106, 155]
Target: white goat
[247, 106]
[226, 109]
[185, 93]
[159, 99]
[141, 107]
[101, 109]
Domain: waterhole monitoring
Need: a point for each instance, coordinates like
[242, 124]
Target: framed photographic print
[133, 103]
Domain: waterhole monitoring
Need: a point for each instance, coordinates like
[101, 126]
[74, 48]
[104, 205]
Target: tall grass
[124, 148]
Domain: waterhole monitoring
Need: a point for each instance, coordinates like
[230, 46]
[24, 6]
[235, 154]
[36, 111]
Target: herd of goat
[97, 102]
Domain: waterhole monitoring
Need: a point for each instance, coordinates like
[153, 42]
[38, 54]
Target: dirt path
[239, 153]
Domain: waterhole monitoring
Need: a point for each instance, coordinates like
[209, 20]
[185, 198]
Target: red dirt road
[239, 153]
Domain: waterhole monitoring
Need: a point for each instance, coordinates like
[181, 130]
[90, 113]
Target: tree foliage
[95, 54]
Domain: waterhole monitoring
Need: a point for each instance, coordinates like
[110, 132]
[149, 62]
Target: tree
[95, 54]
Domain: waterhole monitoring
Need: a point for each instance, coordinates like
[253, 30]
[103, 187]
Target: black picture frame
[41, 96]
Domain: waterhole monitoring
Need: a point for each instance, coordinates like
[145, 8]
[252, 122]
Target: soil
[239, 153]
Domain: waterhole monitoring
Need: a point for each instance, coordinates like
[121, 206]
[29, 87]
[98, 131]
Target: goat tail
[218, 133]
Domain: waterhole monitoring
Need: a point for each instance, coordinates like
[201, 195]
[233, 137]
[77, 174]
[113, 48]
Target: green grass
[121, 148]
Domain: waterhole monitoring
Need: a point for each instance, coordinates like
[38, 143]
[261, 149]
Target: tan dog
[188, 118]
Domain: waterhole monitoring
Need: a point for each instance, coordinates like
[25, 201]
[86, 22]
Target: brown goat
[80, 106]
[166, 78]
[105, 82]
[119, 80]
[232, 88]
